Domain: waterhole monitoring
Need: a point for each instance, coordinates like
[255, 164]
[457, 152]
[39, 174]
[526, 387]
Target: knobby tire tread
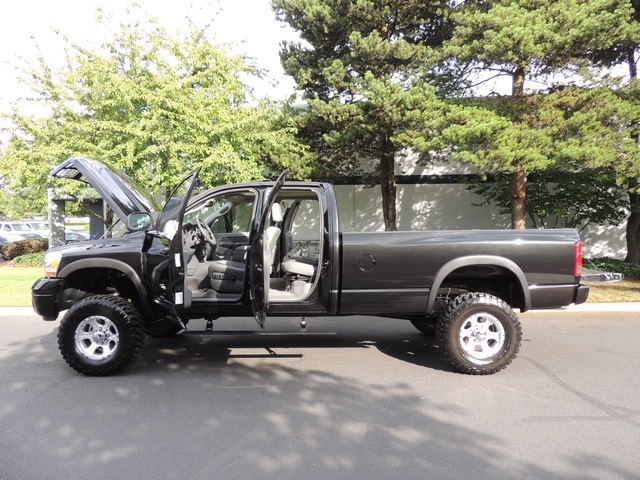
[130, 324]
[457, 307]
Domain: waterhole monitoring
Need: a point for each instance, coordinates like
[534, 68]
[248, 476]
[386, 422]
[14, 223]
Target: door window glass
[228, 213]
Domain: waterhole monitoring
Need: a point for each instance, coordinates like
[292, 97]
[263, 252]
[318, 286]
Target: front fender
[126, 269]
[474, 260]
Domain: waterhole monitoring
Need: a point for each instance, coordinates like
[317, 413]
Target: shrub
[30, 260]
[630, 270]
[23, 247]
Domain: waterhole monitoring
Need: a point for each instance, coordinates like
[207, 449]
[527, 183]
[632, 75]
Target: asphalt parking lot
[353, 397]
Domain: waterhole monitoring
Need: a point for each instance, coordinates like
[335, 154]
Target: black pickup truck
[276, 247]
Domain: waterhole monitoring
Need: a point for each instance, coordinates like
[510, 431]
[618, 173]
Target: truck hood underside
[119, 191]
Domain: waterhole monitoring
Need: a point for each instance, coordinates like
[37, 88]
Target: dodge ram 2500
[276, 247]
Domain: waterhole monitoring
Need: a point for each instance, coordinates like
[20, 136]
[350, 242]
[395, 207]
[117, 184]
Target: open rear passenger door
[259, 271]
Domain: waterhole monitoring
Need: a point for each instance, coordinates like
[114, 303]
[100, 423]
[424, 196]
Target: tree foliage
[622, 50]
[361, 65]
[562, 198]
[568, 128]
[530, 40]
[153, 104]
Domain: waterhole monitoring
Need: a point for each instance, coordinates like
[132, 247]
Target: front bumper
[45, 295]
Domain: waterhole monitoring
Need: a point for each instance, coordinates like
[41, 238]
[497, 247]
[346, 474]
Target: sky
[29, 25]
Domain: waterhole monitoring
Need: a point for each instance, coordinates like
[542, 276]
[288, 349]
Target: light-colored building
[432, 198]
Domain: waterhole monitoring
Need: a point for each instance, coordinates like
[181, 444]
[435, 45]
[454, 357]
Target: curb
[628, 307]
[17, 312]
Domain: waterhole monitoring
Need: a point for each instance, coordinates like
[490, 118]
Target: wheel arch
[110, 264]
[480, 261]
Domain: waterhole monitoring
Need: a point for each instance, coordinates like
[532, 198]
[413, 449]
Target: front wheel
[479, 333]
[100, 335]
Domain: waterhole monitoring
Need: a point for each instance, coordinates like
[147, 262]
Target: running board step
[252, 334]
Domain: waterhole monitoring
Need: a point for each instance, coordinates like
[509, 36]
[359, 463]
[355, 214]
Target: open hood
[120, 192]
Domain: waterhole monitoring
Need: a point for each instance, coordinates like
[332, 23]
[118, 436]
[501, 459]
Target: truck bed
[397, 271]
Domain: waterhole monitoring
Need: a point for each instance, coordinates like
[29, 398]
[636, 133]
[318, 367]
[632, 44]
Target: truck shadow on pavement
[199, 407]
[400, 341]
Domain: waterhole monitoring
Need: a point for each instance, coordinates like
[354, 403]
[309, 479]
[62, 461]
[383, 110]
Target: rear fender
[477, 260]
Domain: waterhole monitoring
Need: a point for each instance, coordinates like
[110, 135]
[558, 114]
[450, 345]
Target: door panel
[259, 270]
[172, 217]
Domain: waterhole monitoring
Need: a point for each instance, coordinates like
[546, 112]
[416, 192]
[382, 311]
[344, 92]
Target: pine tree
[528, 40]
[622, 49]
[362, 64]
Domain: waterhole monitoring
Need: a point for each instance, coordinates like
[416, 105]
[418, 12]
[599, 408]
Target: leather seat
[302, 269]
[227, 276]
[272, 234]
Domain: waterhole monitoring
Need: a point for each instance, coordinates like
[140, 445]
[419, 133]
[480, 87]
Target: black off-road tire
[480, 334]
[101, 335]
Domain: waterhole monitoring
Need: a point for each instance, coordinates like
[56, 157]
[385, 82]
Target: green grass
[624, 291]
[628, 290]
[15, 285]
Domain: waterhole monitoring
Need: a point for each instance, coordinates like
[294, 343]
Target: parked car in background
[75, 236]
[6, 239]
[15, 227]
[40, 227]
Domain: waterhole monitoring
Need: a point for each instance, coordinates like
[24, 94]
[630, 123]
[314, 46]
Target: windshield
[39, 225]
[19, 227]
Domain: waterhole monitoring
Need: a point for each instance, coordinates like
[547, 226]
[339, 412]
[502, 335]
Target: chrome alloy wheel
[481, 337]
[97, 338]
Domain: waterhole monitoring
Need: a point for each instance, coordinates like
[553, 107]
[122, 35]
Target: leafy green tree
[153, 104]
[526, 40]
[17, 206]
[568, 132]
[362, 65]
[561, 198]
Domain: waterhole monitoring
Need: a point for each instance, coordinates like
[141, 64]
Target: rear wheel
[100, 335]
[479, 333]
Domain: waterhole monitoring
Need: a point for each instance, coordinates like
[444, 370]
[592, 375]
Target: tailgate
[597, 276]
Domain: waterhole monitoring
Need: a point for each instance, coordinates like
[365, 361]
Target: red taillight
[577, 269]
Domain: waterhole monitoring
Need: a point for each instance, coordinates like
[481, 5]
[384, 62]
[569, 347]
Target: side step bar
[246, 333]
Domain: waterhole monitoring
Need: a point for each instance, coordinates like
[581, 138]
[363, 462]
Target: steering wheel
[206, 233]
